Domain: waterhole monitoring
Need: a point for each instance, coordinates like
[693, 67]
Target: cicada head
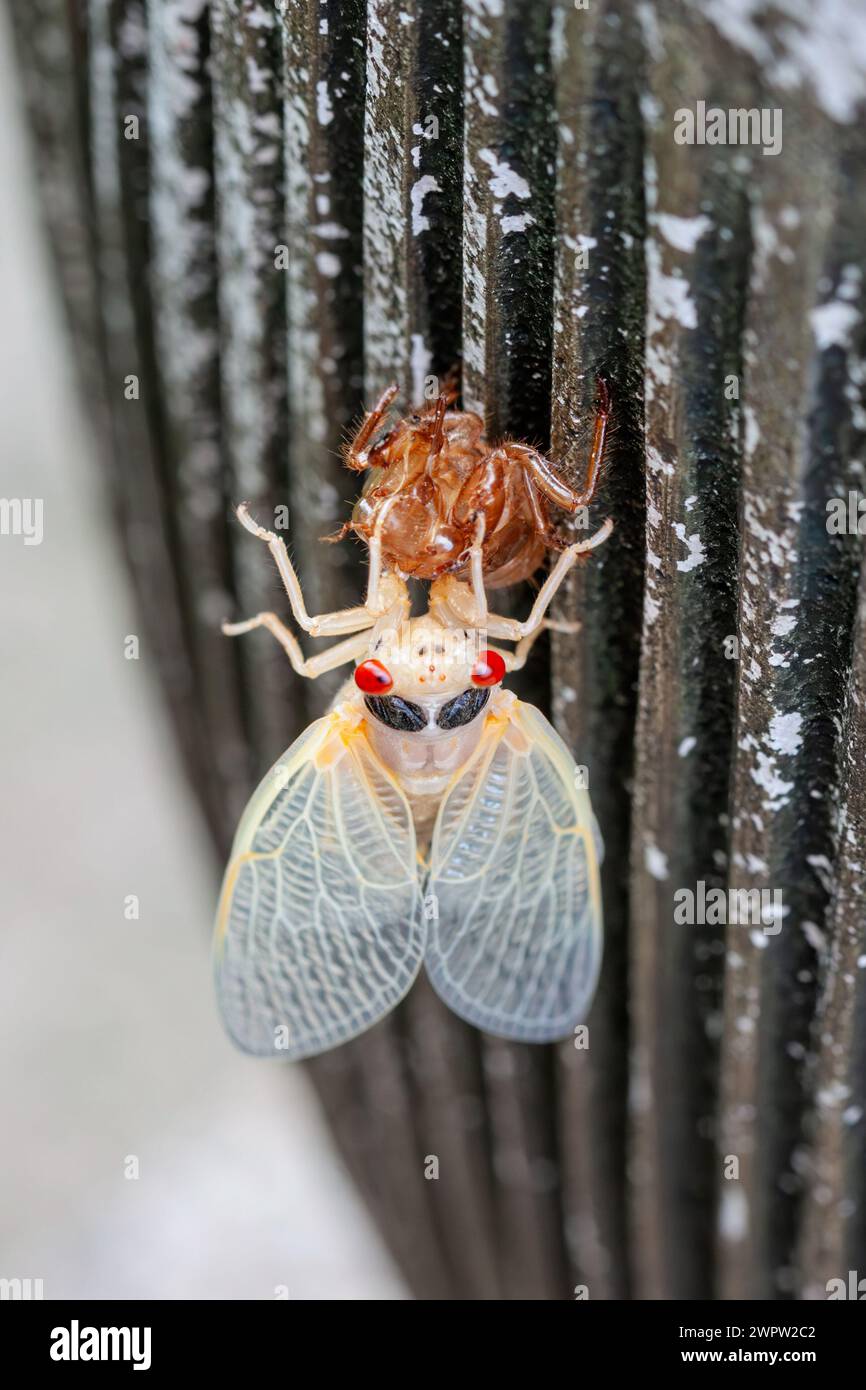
[431, 662]
[426, 687]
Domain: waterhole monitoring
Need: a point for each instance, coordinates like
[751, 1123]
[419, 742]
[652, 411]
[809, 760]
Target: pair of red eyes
[375, 679]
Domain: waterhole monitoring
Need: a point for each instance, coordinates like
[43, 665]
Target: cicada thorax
[414, 491]
[417, 537]
[430, 504]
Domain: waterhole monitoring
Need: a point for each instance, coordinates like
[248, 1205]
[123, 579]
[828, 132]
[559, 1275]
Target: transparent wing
[516, 948]
[319, 929]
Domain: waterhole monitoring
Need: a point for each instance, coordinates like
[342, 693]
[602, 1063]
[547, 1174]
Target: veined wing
[516, 947]
[319, 929]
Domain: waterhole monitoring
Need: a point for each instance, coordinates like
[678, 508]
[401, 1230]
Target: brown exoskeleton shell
[434, 479]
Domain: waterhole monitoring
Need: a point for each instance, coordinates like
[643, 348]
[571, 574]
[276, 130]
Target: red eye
[373, 678]
[488, 669]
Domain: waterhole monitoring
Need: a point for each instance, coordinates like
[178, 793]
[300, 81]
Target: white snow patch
[420, 188]
[833, 1094]
[331, 231]
[833, 323]
[669, 295]
[694, 545]
[324, 109]
[752, 431]
[682, 232]
[503, 180]
[420, 359]
[649, 23]
[518, 223]
[328, 264]
[767, 776]
[656, 464]
[784, 736]
[814, 936]
[656, 862]
[733, 1213]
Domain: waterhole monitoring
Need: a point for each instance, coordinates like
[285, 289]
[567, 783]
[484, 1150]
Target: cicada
[430, 816]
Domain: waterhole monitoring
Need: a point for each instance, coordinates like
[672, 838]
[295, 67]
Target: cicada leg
[437, 437]
[343, 620]
[313, 666]
[375, 602]
[538, 511]
[476, 572]
[510, 628]
[541, 474]
[358, 455]
[516, 660]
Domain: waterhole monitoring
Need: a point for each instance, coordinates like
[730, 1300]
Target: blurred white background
[110, 1042]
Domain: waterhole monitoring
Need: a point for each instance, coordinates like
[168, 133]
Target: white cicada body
[430, 817]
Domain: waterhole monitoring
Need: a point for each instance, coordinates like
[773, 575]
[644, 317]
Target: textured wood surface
[325, 197]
